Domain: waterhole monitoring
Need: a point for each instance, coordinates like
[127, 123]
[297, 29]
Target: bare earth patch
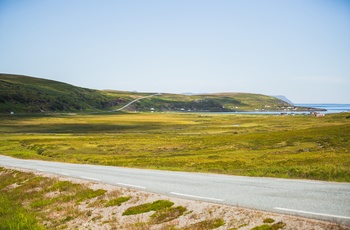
[94, 214]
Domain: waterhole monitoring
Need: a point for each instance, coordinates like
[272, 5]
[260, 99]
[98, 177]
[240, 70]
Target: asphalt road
[313, 199]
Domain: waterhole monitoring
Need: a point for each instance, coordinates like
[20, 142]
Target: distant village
[293, 108]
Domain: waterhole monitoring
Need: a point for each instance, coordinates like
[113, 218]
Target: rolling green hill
[28, 94]
[24, 94]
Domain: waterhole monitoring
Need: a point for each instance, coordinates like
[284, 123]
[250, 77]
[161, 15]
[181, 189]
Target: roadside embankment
[38, 200]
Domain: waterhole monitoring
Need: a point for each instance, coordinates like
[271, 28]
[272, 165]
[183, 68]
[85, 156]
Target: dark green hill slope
[27, 94]
[23, 94]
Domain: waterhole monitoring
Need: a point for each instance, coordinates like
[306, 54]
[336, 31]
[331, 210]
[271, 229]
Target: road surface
[313, 199]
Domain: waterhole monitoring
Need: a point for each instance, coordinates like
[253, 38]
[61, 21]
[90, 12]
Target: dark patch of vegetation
[167, 214]
[262, 227]
[147, 207]
[268, 220]
[23, 94]
[276, 226]
[118, 201]
[207, 224]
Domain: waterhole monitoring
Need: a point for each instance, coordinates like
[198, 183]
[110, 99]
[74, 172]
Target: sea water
[331, 108]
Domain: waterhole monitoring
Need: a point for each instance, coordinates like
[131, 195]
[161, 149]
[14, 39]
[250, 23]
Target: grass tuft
[276, 226]
[268, 220]
[167, 214]
[207, 224]
[118, 201]
[262, 227]
[147, 207]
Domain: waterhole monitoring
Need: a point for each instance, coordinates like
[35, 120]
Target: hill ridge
[25, 94]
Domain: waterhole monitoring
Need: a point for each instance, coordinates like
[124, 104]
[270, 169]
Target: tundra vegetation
[300, 146]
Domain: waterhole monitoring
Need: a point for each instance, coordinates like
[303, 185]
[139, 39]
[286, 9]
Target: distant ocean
[331, 108]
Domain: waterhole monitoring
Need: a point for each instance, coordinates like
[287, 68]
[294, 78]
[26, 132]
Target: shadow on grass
[75, 128]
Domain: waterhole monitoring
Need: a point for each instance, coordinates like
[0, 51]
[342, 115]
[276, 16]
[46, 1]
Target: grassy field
[252, 145]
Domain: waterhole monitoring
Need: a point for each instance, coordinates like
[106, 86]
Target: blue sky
[296, 48]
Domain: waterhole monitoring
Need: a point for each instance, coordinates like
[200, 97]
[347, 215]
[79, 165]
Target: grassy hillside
[23, 94]
[27, 94]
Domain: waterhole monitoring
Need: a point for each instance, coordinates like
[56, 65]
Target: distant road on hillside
[313, 199]
[135, 101]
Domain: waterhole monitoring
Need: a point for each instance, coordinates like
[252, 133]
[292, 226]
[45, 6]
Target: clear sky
[296, 48]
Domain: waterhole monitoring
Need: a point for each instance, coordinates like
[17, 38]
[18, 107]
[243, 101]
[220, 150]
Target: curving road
[131, 102]
[313, 199]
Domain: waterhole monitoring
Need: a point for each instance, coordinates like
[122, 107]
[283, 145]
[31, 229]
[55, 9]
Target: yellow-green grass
[12, 214]
[253, 145]
[26, 203]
